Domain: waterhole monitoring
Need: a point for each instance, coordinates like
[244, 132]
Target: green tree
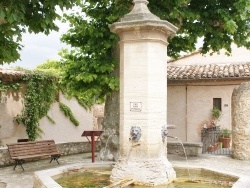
[20, 16]
[50, 66]
[88, 70]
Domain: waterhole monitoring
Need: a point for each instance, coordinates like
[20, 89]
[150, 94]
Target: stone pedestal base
[145, 171]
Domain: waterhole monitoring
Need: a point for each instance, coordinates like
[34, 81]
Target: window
[217, 103]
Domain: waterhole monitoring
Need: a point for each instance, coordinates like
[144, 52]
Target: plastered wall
[62, 131]
[189, 107]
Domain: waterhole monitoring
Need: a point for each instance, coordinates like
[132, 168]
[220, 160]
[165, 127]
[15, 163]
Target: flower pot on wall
[225, 142]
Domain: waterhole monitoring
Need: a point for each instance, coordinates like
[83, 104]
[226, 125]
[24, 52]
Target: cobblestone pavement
[19, 179]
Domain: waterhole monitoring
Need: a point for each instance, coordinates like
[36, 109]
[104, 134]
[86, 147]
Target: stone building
[197, 83]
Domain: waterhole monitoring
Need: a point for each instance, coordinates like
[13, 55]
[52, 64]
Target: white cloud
[40, 47]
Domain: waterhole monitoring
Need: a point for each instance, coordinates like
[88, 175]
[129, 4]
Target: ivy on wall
[40, 93]
[4, 88]
[67, 112]
[40, 90]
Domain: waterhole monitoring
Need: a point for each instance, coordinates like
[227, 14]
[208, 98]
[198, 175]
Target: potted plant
[216, 113]
[225, 138]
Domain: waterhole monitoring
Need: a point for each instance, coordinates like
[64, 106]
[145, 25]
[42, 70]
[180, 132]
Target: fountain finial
[140, 12]
[140, 1]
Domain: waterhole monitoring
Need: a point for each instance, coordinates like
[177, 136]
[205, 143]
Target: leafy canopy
[18, 16]
[88, 70]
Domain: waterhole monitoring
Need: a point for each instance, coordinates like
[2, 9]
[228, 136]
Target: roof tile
[10, 74]
[209, 71]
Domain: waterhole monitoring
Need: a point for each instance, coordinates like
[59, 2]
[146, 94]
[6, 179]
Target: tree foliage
[220, 22]
[50, 66]
[88, 70]
[18, 16]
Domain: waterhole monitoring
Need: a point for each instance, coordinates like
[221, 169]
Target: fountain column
[143, 96]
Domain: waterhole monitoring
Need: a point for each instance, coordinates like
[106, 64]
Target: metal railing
[213, 143]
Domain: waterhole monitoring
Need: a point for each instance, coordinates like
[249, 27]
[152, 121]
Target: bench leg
[19, 162]
[55, 158]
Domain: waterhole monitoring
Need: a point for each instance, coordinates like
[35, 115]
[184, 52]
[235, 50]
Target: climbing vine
[4, 87]
[40, 89]
[41, 92]
[50, 119]
[67, 112]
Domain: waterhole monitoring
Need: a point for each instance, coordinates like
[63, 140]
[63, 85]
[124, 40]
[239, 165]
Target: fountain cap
[140, 11]
[141, 17]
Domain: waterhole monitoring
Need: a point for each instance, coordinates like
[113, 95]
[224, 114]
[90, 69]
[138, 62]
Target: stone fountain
[143, 101]
[143, 108]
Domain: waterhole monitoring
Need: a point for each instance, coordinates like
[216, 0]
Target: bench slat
[38, 148]
[26, 150]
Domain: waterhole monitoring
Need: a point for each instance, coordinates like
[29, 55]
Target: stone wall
[63, 130]
[5, 157]
[241, 122]
[191, 149]
[63, 148]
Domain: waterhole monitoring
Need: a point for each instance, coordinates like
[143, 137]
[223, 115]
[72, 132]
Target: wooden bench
[27, 150]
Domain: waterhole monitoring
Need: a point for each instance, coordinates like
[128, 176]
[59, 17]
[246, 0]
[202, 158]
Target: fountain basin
[46, 178]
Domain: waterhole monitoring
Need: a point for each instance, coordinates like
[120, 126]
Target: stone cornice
[141, 18]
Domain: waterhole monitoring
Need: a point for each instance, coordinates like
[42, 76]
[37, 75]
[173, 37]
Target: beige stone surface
[241, 122]
[194, 80]
[176, 115]
[189, 107]
[10, 131]
[143, 68]
[62, 131]
[143, 79]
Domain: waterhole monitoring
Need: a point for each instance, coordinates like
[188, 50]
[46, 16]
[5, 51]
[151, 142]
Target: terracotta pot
[225, 142]
[210, 149]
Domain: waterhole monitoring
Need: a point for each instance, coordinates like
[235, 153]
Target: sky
[40, 47]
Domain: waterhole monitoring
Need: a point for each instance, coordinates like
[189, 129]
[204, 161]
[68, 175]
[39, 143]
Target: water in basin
[199, 178]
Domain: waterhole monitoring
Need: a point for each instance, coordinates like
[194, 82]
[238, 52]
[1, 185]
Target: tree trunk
[110, 137]
[111, 123]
